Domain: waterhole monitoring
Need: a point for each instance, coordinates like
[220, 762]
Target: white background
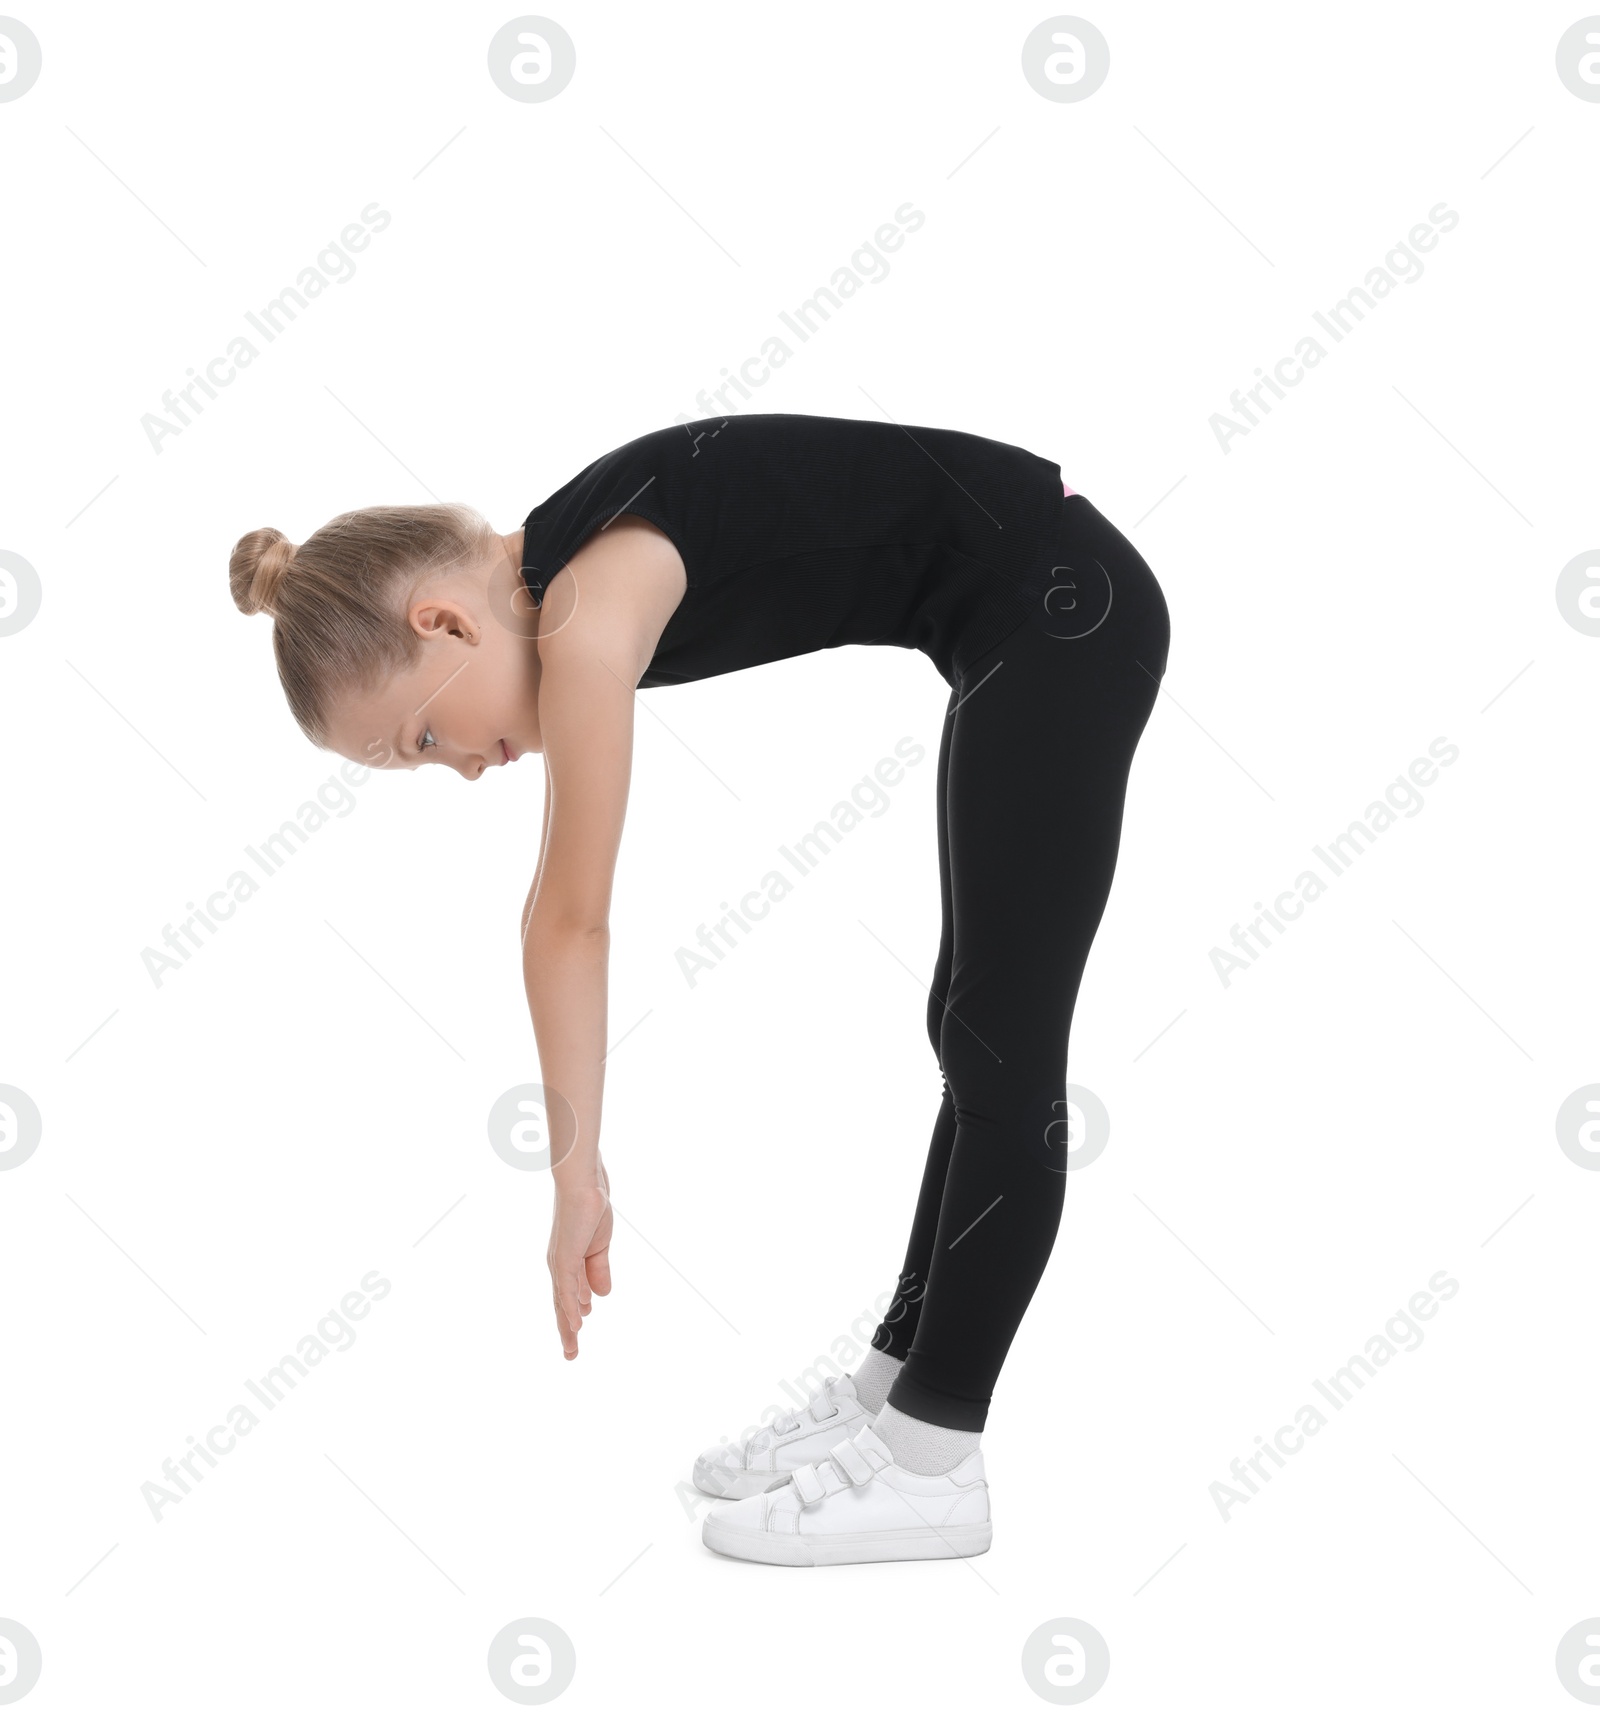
[1292, 1156]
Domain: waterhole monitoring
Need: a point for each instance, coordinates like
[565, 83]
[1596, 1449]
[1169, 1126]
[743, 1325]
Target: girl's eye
[427, 740]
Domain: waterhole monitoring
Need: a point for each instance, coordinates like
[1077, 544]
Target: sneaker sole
[789, 1549]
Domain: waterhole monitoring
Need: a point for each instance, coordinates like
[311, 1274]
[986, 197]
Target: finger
[571, 1306]
[569, 1340]
[568, 1316]
[598, 1266]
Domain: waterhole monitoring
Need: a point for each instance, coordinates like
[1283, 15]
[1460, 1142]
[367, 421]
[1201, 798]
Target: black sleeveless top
[799, 533]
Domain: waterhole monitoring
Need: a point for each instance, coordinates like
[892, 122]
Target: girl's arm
[544, 838]
[586, 696]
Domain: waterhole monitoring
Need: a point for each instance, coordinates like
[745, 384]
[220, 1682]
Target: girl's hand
[578, 1258]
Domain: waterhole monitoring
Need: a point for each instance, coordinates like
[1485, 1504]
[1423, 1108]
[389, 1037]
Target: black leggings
[1033, 768]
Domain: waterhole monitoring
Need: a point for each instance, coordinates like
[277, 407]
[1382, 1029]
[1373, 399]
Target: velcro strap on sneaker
[856, 1465]
[808, 1486]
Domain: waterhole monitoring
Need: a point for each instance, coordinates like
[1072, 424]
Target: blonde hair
[339, 600]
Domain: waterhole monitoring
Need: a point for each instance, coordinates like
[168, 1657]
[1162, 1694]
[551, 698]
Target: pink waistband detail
[1067, 490]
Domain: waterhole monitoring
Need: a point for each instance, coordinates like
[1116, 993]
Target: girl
[412, 635]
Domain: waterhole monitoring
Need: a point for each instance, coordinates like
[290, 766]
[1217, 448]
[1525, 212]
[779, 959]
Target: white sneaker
[740, 1469]
[857, 1505]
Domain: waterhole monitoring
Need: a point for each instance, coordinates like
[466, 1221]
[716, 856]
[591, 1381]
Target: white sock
[870, 1381]
[919, 1447]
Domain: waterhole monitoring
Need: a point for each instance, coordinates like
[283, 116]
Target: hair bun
[257, 567]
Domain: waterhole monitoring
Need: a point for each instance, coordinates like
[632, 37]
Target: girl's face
[472, 700]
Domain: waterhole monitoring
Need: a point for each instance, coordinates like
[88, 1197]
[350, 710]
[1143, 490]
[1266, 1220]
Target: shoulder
[613, 598]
